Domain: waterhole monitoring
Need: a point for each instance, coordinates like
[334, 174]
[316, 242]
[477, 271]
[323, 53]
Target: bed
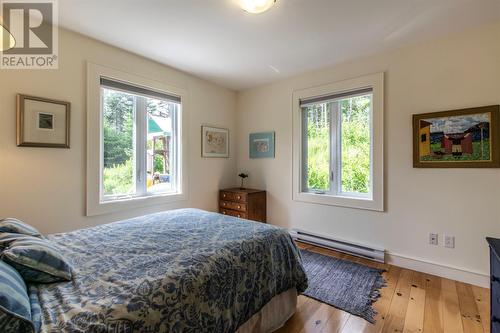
[185, 270]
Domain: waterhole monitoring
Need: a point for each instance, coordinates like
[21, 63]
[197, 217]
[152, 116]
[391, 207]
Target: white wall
[458, 71]
[46, 187]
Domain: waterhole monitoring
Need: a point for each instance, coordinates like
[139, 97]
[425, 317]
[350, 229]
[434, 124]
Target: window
[139, 134]
[135, 142]
[338, 144]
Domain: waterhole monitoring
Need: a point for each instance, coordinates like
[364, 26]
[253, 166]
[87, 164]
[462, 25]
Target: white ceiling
[216, 40]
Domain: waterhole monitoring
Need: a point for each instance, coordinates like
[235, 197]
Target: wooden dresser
[246, 204]
[495, 283]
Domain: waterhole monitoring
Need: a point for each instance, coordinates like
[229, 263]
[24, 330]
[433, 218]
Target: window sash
[140, 134]
[335, 139]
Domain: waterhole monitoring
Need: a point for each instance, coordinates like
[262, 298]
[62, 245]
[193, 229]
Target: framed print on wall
[466, 138]
[42, 122]
[262, 145]
[214, 142]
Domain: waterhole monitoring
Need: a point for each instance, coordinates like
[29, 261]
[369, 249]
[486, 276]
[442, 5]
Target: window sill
[111, 199]
[341, 201]
[111, 206]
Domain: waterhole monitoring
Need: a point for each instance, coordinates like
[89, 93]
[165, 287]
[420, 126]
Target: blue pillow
[15, 310]
[37, 260]
[15, 226]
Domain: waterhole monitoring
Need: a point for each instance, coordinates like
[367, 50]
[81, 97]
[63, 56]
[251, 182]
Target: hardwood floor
[411, 302]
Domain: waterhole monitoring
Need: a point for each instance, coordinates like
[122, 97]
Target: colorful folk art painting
[457, 136]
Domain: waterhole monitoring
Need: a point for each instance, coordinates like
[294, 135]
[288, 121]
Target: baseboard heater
[363, 251]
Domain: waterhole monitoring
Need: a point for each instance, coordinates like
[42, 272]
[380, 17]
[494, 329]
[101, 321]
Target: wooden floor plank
[432, 281]
[317, 321]
[336, 322]
[452, 320]
[304, 312]
[471, 319]
[411, 302]
[394, 321]
[433, 316]
[418, 280]
[414, 320]
[304, 246]
[321, 318]
[482, 298]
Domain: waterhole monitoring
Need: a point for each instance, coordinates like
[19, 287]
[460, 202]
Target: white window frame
[96, 204]
[335, 197]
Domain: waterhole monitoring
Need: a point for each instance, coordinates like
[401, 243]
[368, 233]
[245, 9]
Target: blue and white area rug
[346, 285]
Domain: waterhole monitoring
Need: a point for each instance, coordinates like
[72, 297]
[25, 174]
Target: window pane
[119, 143]
[317, 145]
[161, 155]
[355, 138]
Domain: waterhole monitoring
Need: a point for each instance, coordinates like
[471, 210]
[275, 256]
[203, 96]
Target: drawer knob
[239, 215]
[224, 195]
[223, 204]
[224, 213]
[238, 197]
[239, 206]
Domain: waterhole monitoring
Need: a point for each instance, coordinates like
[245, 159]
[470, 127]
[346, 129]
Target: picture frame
[214, 142]
[42, 122]
[464, 138]
[262, 145]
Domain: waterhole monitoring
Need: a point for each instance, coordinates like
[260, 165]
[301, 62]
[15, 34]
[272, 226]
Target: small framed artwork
[42, 122]
[466, 138]
[214, 142]
[262, 145]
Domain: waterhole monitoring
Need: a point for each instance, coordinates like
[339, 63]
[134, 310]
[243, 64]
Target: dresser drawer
[233, 205]
[229, 196]
[234, 213]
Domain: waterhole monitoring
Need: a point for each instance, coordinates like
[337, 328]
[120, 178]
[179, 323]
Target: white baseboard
[449, 272]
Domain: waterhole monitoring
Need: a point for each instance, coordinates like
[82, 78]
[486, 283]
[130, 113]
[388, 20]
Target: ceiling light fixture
[7, 41]
[256, 6]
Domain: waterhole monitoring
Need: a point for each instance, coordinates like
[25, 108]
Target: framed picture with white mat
[42, 122]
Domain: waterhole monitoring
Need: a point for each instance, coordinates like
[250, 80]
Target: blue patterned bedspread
[178, 271]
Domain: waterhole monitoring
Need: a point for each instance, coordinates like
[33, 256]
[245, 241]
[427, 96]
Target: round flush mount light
[7, 41]
[256, 6]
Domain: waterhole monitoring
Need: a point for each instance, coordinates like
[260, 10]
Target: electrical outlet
[433, 239]
[449, 241]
